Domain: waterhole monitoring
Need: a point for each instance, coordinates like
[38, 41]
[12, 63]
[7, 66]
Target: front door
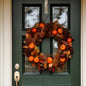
[28, 12]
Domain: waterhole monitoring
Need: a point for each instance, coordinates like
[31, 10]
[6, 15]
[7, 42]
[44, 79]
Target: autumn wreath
[34, 37]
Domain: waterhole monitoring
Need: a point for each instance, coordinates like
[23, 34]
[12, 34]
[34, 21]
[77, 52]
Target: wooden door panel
[47, 85]
[45, 80]
[70, 78]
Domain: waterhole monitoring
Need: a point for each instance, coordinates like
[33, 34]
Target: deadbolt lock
[17, 66]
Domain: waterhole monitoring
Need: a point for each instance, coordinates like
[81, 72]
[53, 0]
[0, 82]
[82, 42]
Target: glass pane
[60, 13]
[31, 16]
[30, 68]
[55, 47]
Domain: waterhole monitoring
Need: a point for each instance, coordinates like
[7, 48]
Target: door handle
[16, 77]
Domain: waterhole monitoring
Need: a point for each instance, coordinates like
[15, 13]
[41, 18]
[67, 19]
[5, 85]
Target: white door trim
[83, 42]
[6, 43]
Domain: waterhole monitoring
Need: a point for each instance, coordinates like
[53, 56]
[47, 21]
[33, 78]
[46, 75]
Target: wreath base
[34, 37]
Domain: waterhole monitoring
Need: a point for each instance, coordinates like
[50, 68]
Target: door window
[32, 15]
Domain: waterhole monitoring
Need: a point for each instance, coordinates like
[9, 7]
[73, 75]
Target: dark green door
[68, 14]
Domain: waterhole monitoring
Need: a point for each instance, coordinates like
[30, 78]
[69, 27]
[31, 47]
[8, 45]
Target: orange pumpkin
[41, 25]
[36, 59]
[54, 32]
[31, 45]
[49, 60]
[34, 30]
[30, 58]
[62, 47]
[69, 40]
[62, 59]
[60, 30]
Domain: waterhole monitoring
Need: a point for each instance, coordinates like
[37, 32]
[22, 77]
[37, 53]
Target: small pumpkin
[41, 25]
[36, 59]
[30, 58]
[69, 40]
[54, 32]
[62, 59]
[60, 30]
[49, 60]
[62, 47]
[34, 30]
[31, 45]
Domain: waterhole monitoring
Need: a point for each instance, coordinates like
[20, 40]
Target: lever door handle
[17, 77]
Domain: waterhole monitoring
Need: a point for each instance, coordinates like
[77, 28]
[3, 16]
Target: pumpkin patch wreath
[34, 37]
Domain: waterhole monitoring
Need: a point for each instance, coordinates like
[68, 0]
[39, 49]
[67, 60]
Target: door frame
[6, 43]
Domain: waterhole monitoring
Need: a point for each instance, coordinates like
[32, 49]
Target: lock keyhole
[16, 76]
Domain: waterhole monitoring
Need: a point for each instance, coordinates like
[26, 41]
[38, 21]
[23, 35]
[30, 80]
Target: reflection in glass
[55, 47]
[60, 13]
[31, 16]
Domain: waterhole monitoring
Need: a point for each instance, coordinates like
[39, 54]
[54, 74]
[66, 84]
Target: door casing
[6, 42]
